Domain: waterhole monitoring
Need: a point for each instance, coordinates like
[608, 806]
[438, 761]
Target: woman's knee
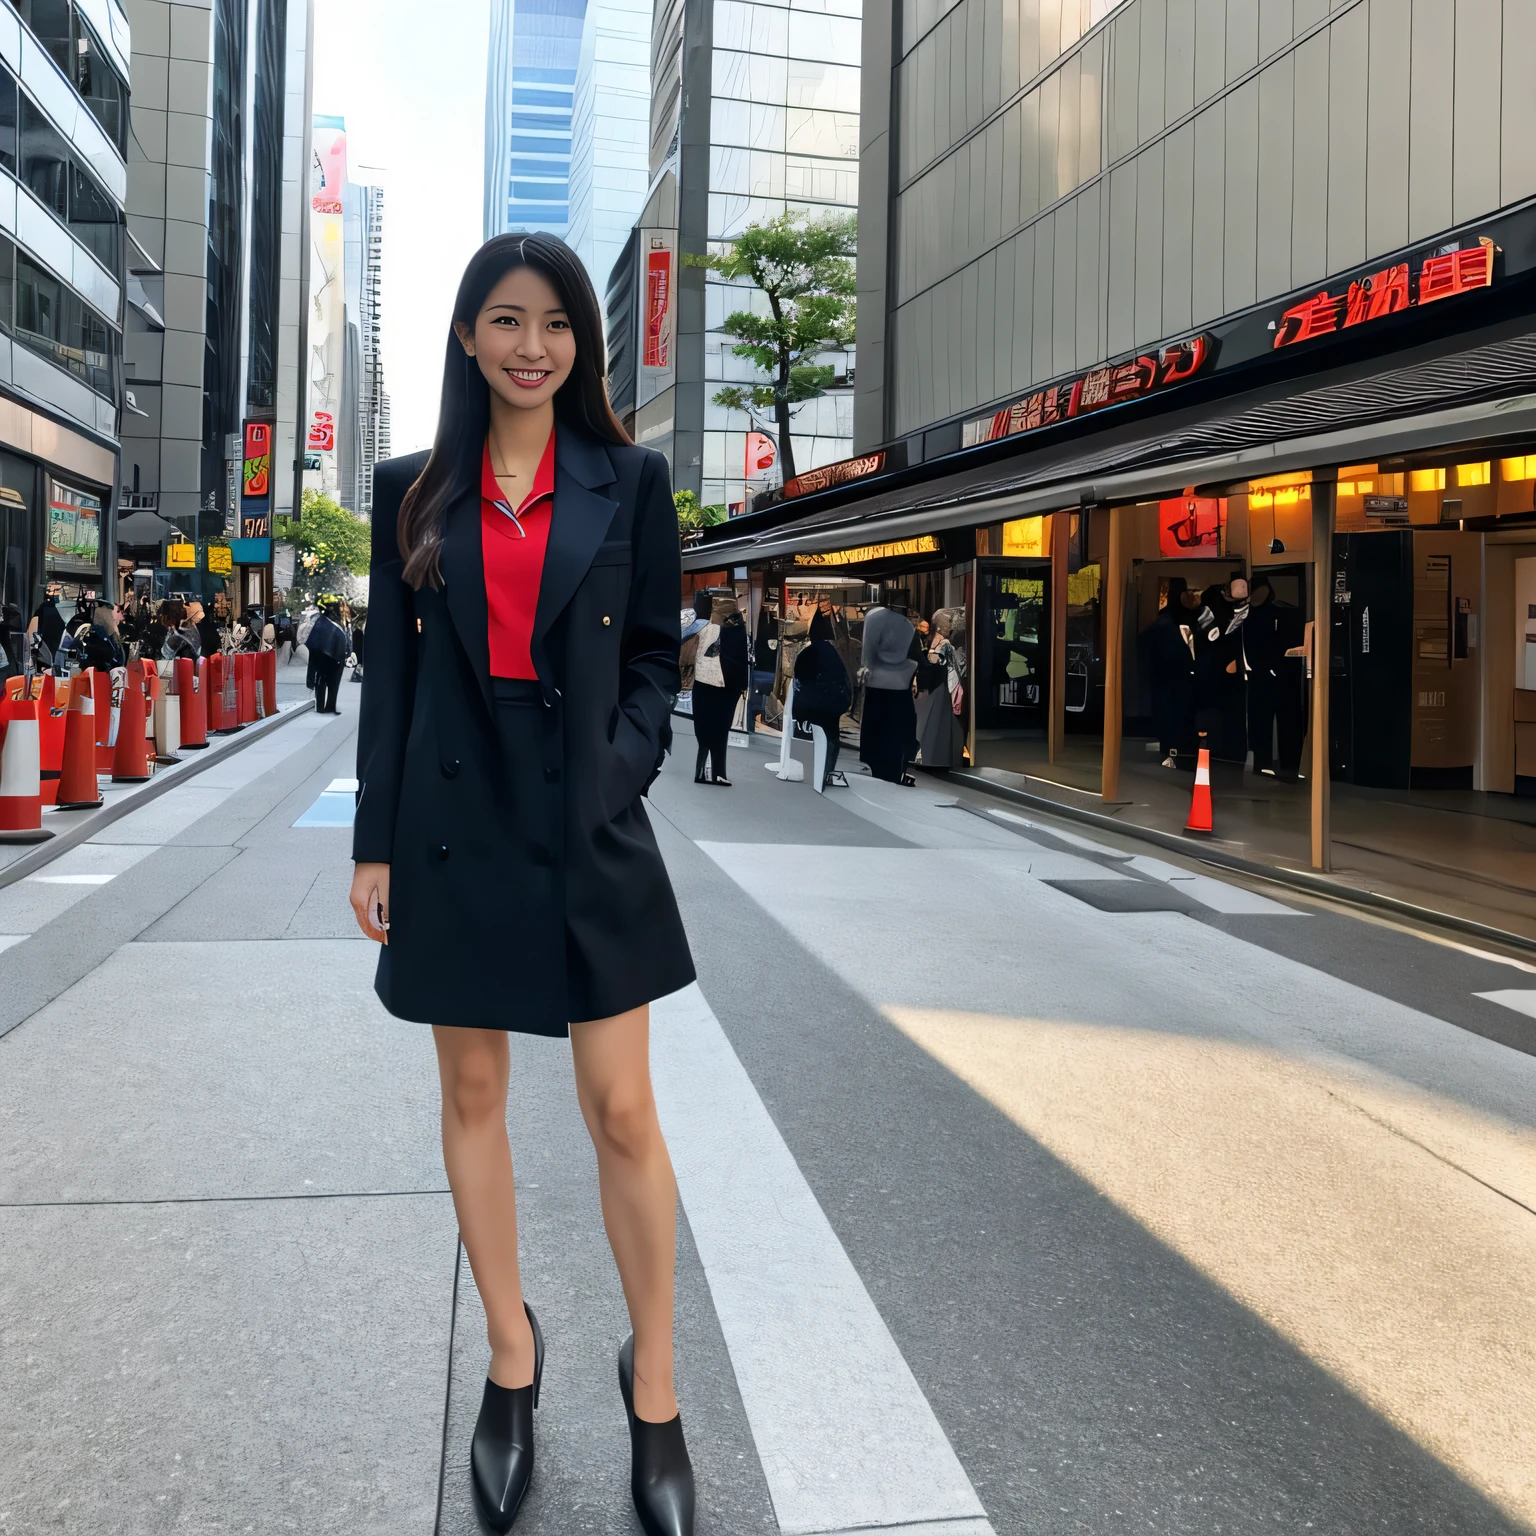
[623, 1123]
[474, 1088]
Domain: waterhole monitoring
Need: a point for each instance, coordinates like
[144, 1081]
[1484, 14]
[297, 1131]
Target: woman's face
[522, 339]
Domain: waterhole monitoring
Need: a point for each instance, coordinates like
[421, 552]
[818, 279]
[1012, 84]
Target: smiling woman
[522, 660]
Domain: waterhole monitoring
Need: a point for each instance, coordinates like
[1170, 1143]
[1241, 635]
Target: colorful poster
[74, 526]
[1191, 527]
[761, 453]
[322, 433]
[258, 458]
[658, 308]
[328, 166]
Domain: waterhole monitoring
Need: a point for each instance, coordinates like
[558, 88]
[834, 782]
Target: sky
[409, 78]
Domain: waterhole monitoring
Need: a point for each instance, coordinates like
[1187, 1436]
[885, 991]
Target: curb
[1278, 874]
[162, 783]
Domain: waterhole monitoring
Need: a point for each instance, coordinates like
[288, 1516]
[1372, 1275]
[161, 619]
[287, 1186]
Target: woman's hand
[370, 900]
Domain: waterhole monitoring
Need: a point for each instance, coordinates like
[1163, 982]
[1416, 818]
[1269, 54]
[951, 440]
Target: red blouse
[514, 562]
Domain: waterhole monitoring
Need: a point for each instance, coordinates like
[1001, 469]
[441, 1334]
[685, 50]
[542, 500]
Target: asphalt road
[1030, 1184]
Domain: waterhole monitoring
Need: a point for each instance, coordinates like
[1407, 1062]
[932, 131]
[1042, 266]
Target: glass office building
[535, 48]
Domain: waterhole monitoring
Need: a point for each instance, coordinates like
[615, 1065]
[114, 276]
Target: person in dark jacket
[888, 728]
[102, 642]
[1220, 670]
[822, 692]
[209, 637]
[1168, 648]
[522, 662]
[719, 680]
[327, 658]
[47, 621]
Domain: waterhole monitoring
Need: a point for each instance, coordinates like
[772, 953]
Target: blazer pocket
[614, 552]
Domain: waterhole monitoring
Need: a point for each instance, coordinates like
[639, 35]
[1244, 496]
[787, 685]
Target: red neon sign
[658, 300]
[1388, 292]
[1112, 384]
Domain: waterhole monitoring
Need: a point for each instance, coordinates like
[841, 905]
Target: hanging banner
[258, 458]
[656, 312]
[658, 308]
[328, 165]
[322, 433]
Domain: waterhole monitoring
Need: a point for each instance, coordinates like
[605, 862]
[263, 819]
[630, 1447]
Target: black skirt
[614, 953]
[888, 732]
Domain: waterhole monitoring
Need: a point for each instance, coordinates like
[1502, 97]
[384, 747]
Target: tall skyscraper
[364, 422]
[610, 169]
[216, 215]
[535, 48]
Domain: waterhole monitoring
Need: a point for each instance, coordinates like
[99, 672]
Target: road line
[1511, 997]
[847, 1439]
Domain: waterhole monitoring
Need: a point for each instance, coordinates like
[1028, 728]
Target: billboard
[328, 164]
[322, 433]
[657, 309]
[257, 480]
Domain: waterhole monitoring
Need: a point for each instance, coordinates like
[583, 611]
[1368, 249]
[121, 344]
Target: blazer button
[451, 768]
[551, 775]
[442, 853]
[606, 621]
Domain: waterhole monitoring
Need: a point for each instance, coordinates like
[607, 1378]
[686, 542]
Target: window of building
[102, 89]
[8, 121]
[51, 319]
[63, 185]
[542, 122]
[50, 23]
[526, 96]
[74, 530]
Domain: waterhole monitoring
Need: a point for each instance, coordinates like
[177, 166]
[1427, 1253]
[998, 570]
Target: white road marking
[1511, 997]
[72, 879]
[1059, 834]
[847, 1439]
[8, 939]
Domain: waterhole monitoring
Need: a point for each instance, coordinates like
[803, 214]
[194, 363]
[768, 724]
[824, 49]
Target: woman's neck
[519, 433]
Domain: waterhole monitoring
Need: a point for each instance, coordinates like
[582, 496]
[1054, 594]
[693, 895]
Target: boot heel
[661, 1475]
[538, 1352]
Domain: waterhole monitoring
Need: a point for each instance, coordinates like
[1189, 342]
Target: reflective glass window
[50, 22]
[53, 321]
[94, 220]
[45, 166]
[7, 121]
[101, 87]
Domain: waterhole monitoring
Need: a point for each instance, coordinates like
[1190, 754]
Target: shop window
[1474, 474]
[1426, 480]
[1518, 469]
[1025, 539]
[74, 530]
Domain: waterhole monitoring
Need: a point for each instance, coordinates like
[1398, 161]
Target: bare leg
[639, 1193]
[473, 1065]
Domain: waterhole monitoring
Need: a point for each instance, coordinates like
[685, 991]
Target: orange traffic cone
[21, 784]
[130, 757]
[1200, 802]
[50, 731]
[103, 687]
[78, 790]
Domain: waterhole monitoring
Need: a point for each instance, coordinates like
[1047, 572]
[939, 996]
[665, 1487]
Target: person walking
[888, 728]
[328, 646]
[823, 693]
[208, 636]
[940, 738]
[719, 680]
[522, 661]
[47, 621]
[101, 642]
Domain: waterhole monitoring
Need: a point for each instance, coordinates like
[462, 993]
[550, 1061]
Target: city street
[1031, 1183]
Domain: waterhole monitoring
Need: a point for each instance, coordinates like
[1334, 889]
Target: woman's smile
[528, 378]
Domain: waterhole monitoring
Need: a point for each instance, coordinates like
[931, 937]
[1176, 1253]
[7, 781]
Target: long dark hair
[465, 413]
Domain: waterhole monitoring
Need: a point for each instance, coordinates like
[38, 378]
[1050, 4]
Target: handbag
[957, 699]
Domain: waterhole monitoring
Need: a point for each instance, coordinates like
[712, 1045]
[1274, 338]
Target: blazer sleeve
[389, 680]
[649, 677]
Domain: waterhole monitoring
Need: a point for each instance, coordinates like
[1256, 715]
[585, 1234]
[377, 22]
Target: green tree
[328, 541]
[805, 271]
[691, 516]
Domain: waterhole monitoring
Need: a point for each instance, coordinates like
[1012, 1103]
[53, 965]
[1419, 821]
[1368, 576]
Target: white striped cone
[21, 780]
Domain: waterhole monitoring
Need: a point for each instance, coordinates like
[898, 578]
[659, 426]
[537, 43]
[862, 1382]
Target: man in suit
[327, 658]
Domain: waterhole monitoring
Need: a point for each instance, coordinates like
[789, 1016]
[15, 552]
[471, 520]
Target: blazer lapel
[578, 524]
[463, 566]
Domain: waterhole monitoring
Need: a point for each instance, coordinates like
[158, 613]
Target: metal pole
[1056, 717]
[1114, 645]
[1323, 503]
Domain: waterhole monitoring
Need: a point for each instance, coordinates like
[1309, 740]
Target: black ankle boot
[661, 1476]
[501, 1454]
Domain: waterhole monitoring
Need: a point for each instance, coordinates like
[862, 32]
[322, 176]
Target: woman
[102, 642]
[939, 734]
[719, 680]
[522, 661]
[822, 694]
[888, 727]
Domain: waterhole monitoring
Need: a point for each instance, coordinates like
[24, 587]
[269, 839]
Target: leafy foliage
[692, 516]
[329, 542]
[805, 270]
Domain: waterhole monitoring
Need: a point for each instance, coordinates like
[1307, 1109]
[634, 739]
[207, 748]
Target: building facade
[63, 282]
[611, 117]
[1163, 294]
[754, 110]
[363, 424]
[216, 214]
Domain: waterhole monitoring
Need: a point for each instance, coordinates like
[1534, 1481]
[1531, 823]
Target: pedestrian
[102, 640]
[209, 640]
[327, 659]
[359, 624]
[940, 737]
[523, 642]
[47, 621]
[1168, 648]
[823, 693]
[888, 727]
[719, 680]
[688, 654]
[765, 645]
[1220, 675]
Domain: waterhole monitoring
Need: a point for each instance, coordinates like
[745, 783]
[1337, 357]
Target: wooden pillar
[1113, 594]
[1323, 502]
[1057, 717]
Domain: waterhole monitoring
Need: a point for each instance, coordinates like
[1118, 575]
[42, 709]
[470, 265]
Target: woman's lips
[527, 378]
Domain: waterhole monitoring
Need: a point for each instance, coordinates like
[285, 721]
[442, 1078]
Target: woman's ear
[466, 335]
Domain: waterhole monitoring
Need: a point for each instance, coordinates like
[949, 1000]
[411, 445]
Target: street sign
[181, 556]
[220, 561]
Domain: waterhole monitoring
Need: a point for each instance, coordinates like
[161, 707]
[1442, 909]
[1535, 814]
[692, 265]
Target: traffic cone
[103, 685]
[189, 690]
[21, 784]
[130, 757]
[78, 790]
[50, 736]
[1200, 802]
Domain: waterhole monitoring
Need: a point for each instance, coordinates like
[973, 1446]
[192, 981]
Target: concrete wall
[1076, 178]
